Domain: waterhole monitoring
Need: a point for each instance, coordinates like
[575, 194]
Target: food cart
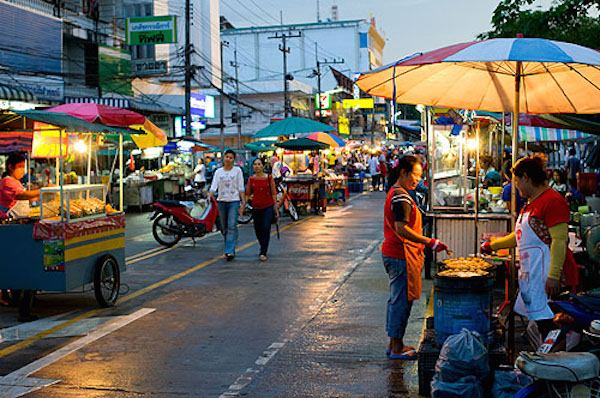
[304, 189]
[77, 239]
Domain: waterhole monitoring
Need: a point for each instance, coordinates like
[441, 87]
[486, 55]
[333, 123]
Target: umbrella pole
[89, 161]
[61, 178]
[513, 210]
[477, 168]
[121, 172]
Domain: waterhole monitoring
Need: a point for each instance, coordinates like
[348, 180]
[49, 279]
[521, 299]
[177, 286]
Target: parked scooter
[175, 219]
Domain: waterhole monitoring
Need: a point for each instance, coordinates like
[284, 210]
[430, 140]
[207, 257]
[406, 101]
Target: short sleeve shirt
[400, 207]
[9, 189]
[546, 211]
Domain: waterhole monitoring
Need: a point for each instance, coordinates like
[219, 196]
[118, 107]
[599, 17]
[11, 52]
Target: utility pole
[188, 72]
[237, 100]
[221, 102]
[319, 63]
[283, 36]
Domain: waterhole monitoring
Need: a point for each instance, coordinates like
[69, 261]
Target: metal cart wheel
[107, 280]
[317, 201]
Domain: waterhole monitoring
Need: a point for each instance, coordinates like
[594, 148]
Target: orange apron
[413, 253]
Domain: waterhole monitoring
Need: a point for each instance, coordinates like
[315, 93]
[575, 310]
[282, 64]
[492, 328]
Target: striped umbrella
[327, 138]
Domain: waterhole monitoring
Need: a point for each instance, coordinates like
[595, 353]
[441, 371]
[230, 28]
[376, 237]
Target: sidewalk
[341, 352]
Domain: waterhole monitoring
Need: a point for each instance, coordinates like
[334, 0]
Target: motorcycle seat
[592, 302]
[559, 366]
[171, 203]
[188, 204]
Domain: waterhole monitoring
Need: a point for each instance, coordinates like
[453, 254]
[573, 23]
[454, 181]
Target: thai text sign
[364, 103]
[46, 144]
[151, 30]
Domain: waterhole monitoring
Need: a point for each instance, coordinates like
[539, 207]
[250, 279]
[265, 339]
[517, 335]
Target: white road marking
[18, 383]
[235, 389]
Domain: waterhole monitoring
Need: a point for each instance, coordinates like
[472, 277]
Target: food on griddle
[457, 273]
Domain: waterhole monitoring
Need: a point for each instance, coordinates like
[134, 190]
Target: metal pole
[237, 98]
[477, 167]
[285, 79]
[513, 210]
[60, 176]
[188, 72]
[318, 85]
[221, 104]
[89, 161]
[121, 172]
[430, 153]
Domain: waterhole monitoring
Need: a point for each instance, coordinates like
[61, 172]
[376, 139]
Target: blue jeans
[228, 211]
[398, 306]
[263, 218]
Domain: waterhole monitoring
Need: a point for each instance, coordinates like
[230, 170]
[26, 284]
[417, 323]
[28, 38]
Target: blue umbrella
[292, 125]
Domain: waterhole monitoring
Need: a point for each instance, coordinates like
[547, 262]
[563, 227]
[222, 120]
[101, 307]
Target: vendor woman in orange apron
[541, 235]
[402, 252]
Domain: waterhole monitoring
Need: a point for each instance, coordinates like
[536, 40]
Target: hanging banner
[45, 142]
[151, 30]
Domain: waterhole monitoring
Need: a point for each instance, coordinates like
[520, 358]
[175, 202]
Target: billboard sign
[148, 67]
[202, 105]
[151, 30]
[363, 103]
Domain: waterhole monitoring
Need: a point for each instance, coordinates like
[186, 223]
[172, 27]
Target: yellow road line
[31, 340]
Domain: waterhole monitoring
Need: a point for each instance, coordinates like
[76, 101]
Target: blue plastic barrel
[462, 303]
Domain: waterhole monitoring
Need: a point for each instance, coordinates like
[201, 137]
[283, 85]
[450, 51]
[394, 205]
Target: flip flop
[407, 354]
[388, 351]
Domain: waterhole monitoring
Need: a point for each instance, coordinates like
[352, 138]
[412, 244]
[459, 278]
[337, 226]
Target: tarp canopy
[70, 123]
[536, 134]
[302, 144]
[259, 148]
[292, 125]
[15, 141]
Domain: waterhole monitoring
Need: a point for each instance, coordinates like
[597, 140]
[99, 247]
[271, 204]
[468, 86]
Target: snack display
[455, 273]
[79, 201]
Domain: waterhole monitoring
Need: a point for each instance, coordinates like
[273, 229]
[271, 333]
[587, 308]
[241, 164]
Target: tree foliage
[573, 21]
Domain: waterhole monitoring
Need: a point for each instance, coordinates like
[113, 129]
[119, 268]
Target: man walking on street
[373, 163]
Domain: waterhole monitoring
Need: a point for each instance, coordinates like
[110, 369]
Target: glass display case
[80, 202]
[453, 185]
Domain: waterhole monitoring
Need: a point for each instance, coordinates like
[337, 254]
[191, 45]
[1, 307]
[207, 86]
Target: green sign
[114, 70]
[325, 101]
[151, 30]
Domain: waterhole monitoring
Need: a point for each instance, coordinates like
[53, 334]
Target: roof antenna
[318, 14]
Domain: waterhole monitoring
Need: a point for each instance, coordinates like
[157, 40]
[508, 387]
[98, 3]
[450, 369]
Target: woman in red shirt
[261, 188]
[11, 189]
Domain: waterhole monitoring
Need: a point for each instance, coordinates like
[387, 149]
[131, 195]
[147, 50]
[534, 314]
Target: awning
[117, 102]
[535, 134]
[16, 94]
[70, 123]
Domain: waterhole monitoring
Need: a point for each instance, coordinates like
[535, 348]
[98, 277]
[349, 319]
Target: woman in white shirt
[228, 181]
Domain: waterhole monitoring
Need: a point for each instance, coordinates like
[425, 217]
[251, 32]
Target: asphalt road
[307, 323]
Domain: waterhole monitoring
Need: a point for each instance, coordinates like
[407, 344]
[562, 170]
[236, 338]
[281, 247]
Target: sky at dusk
[409, 26]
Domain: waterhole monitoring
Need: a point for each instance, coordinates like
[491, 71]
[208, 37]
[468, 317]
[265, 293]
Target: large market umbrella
[116, 117]
[327, 138]
[292, 125]
[302, 144]
[502, 75]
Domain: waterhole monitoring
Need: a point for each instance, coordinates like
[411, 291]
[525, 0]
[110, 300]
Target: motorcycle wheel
[292, 211]
[246, 217]
[160, 230]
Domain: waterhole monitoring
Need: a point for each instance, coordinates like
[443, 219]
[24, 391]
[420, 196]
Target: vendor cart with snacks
[74, 239]
[307, 190]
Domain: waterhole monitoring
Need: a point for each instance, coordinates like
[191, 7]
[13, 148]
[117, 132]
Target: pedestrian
[228, 182]
[261, 189]
[253, 156]
[572, 167]
[402, 253]
[383, 171]
[200, 175]
[541, 236]
[373, 163]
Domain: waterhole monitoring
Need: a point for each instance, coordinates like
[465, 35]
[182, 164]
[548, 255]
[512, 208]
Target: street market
[231, 198]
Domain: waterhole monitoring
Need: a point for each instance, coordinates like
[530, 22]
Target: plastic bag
[465, 387]
[462, 355]
[508, 383]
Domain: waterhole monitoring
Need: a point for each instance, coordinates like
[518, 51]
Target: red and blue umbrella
[327, 138]
[551, 76]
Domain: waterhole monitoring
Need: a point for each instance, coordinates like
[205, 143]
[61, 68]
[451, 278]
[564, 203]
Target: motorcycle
[285, 205]
[175, 219]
